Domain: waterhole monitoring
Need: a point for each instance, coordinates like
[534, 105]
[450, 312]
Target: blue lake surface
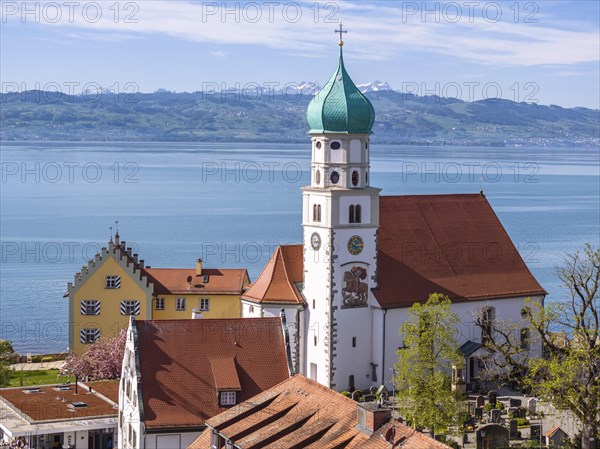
[233, 203]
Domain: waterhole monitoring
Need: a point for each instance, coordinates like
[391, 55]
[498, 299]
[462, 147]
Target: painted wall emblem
[355, 291]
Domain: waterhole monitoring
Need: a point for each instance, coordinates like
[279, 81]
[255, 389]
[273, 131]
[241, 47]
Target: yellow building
[116, 284]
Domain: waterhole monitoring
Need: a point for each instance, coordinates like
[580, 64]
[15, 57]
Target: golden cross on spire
[341, 31]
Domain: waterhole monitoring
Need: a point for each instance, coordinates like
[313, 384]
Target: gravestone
[480, 401]
[471, 407]
[493, 396]
[492, 436]
[532, 406]
[512, 412]
[535, 432]
[478, 412]
[514, 402]
[513, 429]
[495, 416]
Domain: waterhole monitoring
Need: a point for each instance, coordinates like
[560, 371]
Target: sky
[545, 52]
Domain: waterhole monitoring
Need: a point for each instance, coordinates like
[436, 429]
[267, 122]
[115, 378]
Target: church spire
[340, 107]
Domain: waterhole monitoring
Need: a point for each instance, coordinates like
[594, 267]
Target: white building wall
[507, 310]
[350, 322]
[179, 440]
[129, 410]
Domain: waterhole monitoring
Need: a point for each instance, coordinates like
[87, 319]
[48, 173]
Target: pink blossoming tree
[101, 361]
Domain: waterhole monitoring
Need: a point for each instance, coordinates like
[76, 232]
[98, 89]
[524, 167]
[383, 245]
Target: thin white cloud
[380, 31]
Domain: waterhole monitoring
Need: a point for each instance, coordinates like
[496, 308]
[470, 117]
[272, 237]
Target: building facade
[116, 284]
[177, 374]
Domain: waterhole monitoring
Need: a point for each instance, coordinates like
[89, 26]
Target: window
[354, 342]
[87, 336]
[130, 307]
[228, 398]
[319, 145]
[204, 304]
[525, 312]
[335, 177]
[317, 213]
[335, 145]
[113, 281]
[367, 178]
[159, 304]
[180, 304]
[315, 340]
[205, 279]
[251, 308]
[486, 324]
[525, 339]
[354, 214]
[90, 307]
[355, 178]
[318, 177]
[133, 439]
[314, 304]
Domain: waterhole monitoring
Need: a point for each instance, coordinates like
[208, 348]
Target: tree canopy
[568, 373]
[423, 377]
[102, 360]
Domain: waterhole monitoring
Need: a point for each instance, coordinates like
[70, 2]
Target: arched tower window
[315, 215]
[319, 213]
[355, 178]
[354, 214]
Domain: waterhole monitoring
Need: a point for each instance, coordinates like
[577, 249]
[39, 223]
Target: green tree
[568, 373]
[5, 373]
[423, 378]
[6, 348]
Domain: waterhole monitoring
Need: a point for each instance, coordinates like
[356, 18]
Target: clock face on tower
[355, 245]
[315, 241]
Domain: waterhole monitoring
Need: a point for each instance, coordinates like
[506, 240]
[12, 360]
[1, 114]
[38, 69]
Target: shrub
[47, 358]
[498, 405]
[346, 393]
[522, 422]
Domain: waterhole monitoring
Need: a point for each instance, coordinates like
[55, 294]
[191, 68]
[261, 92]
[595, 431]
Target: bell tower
[340, 220]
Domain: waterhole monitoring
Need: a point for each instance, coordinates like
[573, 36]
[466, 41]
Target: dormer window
[205, 279]
[228, 398]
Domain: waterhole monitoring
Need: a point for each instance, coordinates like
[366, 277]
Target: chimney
[196, 314]
[371, 416]
[135, 258]
[141, 263]
[199, 267]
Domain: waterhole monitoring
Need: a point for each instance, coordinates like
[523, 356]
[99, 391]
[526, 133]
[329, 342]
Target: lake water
[232, 203]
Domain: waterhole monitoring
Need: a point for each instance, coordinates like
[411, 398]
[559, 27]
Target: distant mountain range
[279, 116]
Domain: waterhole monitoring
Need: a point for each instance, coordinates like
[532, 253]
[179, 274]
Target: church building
[367, 258]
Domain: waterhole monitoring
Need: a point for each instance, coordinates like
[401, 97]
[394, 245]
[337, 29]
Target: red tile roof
[300, 413]
[450, 244]
[225, 374]
[51, 403]
[107, 388]
[278, 281]
[174, 281]
[178, 386]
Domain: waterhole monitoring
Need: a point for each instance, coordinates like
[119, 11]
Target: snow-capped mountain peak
[375, 86]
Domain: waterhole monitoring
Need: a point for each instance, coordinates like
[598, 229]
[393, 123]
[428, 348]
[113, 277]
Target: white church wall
[353, 321]
[315, 345]
[506, 309]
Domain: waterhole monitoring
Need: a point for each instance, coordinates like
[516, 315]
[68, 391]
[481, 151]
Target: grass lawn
[38, 377]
